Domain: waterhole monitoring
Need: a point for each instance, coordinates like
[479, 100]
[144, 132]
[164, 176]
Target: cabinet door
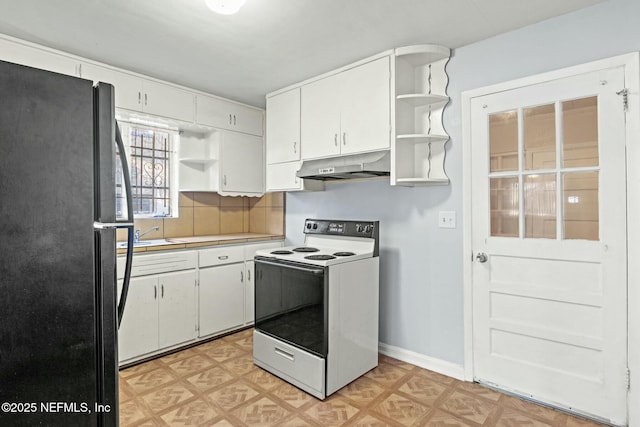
[221, 298]
[222, 114]
[283, 127]
[249, 293]
[320, 118]
[138, 333]
[37, 58]
[242, 164]
[282, 177]
[128, 88]
[365, 119]
[168, 101]
[177, 308]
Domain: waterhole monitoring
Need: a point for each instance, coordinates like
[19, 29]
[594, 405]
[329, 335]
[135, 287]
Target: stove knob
[368, 228]
[308, 226]
[315, 226]
[359, 228]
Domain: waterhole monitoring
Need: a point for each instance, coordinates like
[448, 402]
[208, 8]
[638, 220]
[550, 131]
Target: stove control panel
[342, 228]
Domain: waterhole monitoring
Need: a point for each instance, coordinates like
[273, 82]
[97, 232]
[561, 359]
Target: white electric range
[317, 306]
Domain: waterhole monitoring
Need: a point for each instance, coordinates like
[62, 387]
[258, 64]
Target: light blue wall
[421, 297]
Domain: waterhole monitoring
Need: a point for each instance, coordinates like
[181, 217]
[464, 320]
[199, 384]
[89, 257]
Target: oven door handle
[310, 270]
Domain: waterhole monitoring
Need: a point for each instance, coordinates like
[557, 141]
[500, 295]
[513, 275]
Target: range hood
[352, 166]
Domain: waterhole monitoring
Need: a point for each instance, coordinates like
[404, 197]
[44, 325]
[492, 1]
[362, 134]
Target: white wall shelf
[418, 150]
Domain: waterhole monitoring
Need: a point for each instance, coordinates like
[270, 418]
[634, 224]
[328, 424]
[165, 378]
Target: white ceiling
[269, 44]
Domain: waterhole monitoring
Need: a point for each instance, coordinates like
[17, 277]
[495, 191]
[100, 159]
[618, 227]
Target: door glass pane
[540, 206]
[540, 137]
[580, 132]
[503, 141]
[505, 207]
[580, 198]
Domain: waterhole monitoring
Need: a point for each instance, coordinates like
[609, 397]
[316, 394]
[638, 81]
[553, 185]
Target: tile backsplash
[205, 214]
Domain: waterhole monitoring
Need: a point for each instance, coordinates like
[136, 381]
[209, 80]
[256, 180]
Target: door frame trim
[631, 64]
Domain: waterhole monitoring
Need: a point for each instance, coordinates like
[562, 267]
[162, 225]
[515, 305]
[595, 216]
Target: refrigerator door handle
[128, 224]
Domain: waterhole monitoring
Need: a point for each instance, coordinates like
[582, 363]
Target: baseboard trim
[431, 363]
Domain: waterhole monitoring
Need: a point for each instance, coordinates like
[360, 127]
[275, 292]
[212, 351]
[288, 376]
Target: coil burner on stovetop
[344, 254]
[320, 257]
[281, 252]
[305, 249]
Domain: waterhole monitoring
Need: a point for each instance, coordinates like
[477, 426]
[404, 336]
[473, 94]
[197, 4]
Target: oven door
[291, 303]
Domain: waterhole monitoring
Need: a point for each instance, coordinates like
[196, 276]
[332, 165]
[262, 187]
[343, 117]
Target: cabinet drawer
[302, 369]
[143, 265]
[220, 256]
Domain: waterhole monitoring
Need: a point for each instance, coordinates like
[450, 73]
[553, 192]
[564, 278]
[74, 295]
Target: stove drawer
[300, 368]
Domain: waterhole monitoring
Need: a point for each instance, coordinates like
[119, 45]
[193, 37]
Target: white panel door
[283, 127]
[320, 118]
[176, 308]
[138, 333]
[365, 120]
[221, 298]
[549, 241]
[242, 163]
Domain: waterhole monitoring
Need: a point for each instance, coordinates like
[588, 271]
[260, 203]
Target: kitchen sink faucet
[137, 235]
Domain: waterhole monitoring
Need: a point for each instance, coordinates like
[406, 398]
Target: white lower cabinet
[177, 297]
[160, 312]
[249, 293]
[221, 298]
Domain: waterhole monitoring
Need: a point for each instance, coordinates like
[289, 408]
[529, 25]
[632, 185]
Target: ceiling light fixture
[225, 7]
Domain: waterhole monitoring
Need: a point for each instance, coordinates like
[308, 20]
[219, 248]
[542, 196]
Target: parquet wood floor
[217, 384]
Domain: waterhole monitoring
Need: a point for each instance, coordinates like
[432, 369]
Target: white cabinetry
[418, 151]
[283, 127]
[348, 112]
[221, 289]
[230, 163]
[219, 113]
[283, 144]
[37, 58]
[242, 164]
[142, 95]
[161, 304]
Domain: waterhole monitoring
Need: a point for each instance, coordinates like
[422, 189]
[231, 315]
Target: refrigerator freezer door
[51, 342]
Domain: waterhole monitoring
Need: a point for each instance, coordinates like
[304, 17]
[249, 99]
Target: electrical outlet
[447, 219]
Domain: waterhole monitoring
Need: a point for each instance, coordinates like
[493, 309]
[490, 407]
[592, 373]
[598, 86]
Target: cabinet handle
[335, 139]
[155, 292]
[162, 291]
[234, 119]
[139, 97]
[229, 118]
[295, 143]
[145, 99]
[80, 70]
[241, 277]
[344, 138]
[223, 257]
[248, 275]
[224, 180]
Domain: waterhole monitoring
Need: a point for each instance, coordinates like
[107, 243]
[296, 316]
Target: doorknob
[482, 257]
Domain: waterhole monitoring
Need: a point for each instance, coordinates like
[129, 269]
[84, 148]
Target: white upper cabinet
[138, 94]
[242, 164]
[38, 58]
[283, 127]
[218, 113]
[348, 112]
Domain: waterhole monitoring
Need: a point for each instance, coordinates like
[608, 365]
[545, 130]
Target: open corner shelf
[421, 96]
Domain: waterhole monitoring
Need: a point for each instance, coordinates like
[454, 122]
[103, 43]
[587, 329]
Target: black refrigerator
[58, 305]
